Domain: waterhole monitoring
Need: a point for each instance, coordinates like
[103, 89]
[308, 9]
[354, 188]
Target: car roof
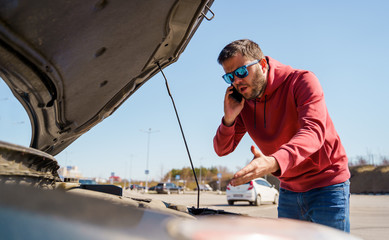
[73, 63]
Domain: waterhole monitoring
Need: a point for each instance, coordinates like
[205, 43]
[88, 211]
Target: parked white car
[255, 192]
[205, 187]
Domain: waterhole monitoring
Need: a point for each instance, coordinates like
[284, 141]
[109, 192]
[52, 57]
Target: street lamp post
[200, 170]
[130, 178]
[147, 159]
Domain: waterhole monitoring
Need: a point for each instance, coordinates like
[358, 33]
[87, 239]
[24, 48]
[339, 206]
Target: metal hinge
[209, 10]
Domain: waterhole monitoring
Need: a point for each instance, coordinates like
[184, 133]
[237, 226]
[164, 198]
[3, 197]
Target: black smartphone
[236, 95]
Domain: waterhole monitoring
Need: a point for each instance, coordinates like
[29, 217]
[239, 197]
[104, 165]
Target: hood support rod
[183, 135]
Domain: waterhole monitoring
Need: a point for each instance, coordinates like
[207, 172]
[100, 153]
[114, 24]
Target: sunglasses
[240, 72]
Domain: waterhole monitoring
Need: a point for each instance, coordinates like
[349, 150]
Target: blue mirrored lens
[229, 78]
[241, 72]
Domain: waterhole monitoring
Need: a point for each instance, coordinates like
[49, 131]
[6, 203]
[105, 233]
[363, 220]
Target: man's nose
[237, 80]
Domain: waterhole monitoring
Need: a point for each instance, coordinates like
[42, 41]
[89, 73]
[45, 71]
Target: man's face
[254, 84]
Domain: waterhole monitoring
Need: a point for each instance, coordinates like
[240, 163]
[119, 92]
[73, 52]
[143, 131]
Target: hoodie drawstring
[264, 113]
[255, 114]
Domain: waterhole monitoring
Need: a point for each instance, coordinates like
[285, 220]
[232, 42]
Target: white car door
[264, 189]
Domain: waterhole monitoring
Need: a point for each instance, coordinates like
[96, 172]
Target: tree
[361, 161]
[384, 161]
[207, 174]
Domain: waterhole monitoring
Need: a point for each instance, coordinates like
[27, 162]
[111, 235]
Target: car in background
[166, 187]
[137, 187]
[87, 181]
[255, 192]
[205, 187]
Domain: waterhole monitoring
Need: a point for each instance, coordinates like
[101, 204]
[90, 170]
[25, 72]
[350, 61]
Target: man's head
[245, 47]
[240, 53]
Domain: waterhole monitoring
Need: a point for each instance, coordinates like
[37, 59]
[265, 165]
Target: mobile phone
[236, 95]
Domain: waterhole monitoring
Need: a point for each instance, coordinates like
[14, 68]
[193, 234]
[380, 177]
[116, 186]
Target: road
[369, 214]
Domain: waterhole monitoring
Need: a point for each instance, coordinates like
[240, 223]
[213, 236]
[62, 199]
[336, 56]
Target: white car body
[255, 192]
[205, 187]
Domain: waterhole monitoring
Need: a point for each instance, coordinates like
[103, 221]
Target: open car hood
[73, 63]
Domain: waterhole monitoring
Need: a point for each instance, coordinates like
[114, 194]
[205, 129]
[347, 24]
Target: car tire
[257, 200]
[275, 199]
[230, 202]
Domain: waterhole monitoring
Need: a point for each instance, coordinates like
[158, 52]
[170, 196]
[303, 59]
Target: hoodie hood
[277, 74]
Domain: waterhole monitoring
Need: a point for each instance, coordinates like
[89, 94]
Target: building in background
[69, 173]
[114, 179]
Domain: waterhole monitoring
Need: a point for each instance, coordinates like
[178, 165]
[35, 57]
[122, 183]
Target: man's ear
[263, 63]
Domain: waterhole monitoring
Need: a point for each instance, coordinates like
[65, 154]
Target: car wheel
[275, 199]
[230, 202]
[257, 201]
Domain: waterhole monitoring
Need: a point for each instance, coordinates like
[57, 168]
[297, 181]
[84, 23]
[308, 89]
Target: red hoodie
[291, 123]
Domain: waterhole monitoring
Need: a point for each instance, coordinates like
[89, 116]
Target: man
[284, 112]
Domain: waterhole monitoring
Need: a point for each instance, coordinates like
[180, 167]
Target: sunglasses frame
[227, 76]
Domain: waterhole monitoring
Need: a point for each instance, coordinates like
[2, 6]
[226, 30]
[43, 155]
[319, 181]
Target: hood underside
[73, 63]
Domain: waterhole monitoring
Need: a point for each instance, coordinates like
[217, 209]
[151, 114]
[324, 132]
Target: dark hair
[245, 47]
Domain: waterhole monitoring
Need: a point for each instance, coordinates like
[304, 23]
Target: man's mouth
[242, 89]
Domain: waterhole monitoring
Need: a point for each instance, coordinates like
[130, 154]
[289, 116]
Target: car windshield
[261, 182]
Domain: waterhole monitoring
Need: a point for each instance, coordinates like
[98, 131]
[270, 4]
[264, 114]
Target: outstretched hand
[260, 166]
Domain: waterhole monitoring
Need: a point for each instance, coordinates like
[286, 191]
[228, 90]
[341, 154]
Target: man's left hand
[260, 166]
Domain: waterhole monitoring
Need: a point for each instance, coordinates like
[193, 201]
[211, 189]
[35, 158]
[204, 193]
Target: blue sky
[345, 43]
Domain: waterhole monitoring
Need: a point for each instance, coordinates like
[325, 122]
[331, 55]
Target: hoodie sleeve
[228, 138]
[312, 117]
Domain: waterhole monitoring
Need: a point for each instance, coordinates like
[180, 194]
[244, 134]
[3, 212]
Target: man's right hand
[232, 108]
[260, 166]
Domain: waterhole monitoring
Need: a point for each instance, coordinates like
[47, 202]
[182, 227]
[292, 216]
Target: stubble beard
[258, 86]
